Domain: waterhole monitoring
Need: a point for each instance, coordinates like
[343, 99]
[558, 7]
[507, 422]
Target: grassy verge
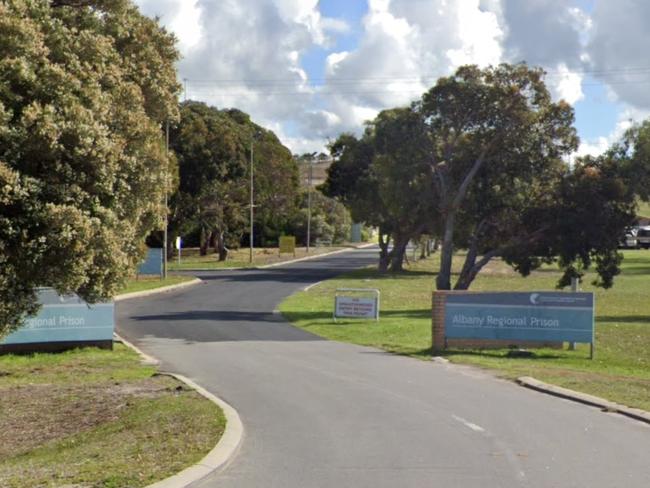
[239, 258]
[144, 283]
[620, 371]
[98, 419]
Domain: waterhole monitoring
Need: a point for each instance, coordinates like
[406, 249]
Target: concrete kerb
[315, 256]
[591, 400]
[221, 455]
[224, 451]
[155, 291]
[282, 263]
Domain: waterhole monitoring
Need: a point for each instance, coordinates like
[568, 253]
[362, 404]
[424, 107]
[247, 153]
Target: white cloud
[181, 17]
[594, 147]
[404, 47]
[481, 36]
[618, 49]
[249, 54]
[566, 84]
[628, 117]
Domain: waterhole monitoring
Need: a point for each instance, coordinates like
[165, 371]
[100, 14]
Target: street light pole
[250, 259]
[309, 205]
[166, 202]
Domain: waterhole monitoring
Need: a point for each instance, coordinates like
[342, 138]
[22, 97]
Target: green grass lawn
[97, 418]
[144, 283]
[644, 209]
[620, 371]
[239, 258]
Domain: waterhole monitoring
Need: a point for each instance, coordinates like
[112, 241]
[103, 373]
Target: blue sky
[351, 11]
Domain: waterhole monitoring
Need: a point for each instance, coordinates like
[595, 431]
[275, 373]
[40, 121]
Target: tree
[84, 92]
[383, 179]
[498, 142]
[478, 162]
[631, 155]
[213, 150]
[212, 189]
[330, 219]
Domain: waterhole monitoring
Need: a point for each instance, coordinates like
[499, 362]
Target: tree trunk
[203, 242]
[423, 248]
[397, 254]
[221, 246]
[384, 257]
[170, 249]
[465, 279]
[443, 280]
[212, 241]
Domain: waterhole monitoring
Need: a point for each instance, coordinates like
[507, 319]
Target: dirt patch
[33, 415]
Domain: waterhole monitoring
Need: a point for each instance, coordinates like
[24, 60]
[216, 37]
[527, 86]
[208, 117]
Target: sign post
[358, 307]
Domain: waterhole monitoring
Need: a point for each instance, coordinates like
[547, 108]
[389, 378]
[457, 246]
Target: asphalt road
[325, 414]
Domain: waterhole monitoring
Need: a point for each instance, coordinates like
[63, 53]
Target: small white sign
[356, 307]
[178, 242]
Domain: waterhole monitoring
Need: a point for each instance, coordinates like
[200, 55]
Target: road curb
[315, 256]
[273, 265]
[225, 449]
[591, 400]
[155, 291]
[221, 455]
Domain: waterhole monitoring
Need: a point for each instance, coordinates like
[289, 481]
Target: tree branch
[71, 3]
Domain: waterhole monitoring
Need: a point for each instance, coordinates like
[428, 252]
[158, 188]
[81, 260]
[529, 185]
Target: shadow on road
[221, 326]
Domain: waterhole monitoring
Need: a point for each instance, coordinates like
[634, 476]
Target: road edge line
[576, 396]
[227, 445]
[155, 291]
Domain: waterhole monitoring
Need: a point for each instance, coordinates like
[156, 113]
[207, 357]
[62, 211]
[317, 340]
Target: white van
[629, 240]
[643, 236]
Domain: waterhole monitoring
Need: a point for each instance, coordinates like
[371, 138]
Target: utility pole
[250, 259]
[311, 166]
[166, 202]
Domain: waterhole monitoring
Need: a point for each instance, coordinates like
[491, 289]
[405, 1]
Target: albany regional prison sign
[543, 316]
[65, 319]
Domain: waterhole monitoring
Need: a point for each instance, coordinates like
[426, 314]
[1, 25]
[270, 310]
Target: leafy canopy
[479, 162]
[213, 148]
[84, 89]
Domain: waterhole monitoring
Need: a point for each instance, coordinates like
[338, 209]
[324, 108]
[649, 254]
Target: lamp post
[166, 202]
[250, 258]
[309, 179]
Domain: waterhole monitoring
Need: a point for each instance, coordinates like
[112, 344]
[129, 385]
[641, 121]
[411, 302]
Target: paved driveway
[324, 414]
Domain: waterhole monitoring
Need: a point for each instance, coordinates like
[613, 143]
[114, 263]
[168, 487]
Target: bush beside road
[98, 418]
[620, 372]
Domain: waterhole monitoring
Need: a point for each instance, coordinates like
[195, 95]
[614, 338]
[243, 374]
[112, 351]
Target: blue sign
[542, 316]
[153, 263]
[65, 319]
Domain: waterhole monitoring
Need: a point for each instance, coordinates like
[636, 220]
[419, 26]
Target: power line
[399, 79]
